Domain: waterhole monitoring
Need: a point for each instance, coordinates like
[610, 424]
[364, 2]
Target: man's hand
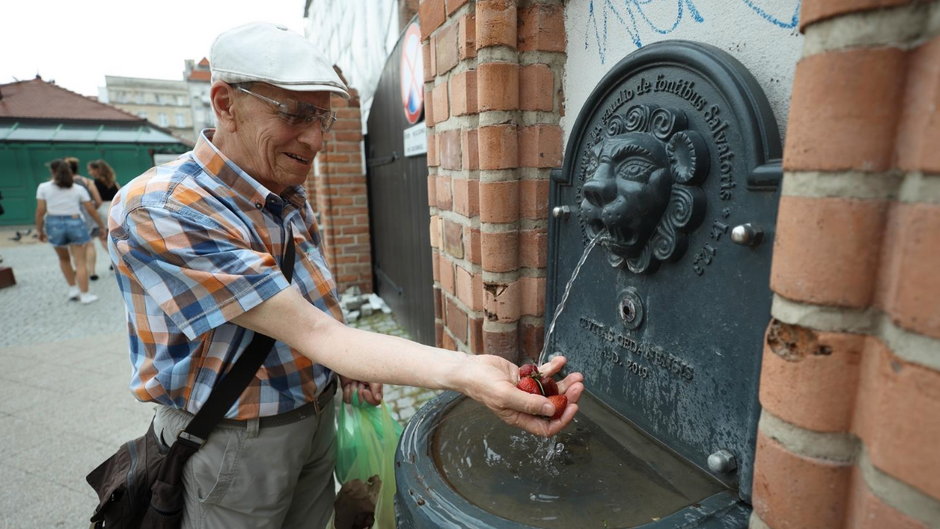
[370, 392]
[493, 383]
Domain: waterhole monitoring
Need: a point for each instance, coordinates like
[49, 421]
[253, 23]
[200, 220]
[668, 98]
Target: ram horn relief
[641, 186]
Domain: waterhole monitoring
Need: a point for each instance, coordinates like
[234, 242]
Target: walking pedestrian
[91, 254]
[197, 246]
[107, 186]
[59, 203]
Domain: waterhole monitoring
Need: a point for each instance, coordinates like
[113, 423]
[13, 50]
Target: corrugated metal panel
[59, 132]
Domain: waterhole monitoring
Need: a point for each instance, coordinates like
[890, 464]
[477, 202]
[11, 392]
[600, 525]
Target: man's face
[276, 151]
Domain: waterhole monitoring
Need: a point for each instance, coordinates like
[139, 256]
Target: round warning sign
[412, 74]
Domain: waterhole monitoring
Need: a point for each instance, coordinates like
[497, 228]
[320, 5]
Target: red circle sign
[412, 74]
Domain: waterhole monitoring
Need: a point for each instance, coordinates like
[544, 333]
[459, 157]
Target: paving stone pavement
[64, 402]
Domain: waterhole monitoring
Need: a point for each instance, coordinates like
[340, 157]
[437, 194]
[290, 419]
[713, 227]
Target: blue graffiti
[632, 16]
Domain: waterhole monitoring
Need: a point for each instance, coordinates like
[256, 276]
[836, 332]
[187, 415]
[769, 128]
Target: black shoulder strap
[236, 380]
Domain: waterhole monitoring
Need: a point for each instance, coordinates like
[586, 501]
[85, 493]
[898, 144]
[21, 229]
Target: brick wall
[850, 432]
[493, 99]
[338, 193]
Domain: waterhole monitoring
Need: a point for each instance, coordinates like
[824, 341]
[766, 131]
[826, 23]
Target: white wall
[761, 34]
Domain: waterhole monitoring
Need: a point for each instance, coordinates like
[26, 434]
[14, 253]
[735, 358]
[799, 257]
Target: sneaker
[87, 298]
[93, 277]
[73, 293]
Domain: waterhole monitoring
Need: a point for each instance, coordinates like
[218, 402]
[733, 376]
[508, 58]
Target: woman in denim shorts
[59, 205]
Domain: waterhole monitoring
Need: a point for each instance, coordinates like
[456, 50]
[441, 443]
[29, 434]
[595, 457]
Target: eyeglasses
[298, 112]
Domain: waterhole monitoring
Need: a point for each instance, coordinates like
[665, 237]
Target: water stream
[600, 237]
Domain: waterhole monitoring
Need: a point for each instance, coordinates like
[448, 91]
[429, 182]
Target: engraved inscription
[653, 355]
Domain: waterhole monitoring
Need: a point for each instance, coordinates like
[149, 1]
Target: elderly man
[197, 245]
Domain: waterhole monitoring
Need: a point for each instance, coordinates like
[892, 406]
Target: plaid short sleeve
[199, 271]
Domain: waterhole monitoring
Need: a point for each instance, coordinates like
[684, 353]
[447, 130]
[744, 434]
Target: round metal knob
[722, 462]
[561, 212]
[747, 234]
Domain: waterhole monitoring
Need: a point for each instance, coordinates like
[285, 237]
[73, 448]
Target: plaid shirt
[194, 244]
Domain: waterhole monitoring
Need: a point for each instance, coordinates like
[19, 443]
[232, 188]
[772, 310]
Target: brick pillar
[850, 384]
[339, 196]
[493, 77]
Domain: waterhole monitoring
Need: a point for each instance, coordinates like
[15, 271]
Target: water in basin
[599, 472]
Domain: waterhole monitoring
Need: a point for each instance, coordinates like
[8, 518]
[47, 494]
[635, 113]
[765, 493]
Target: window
[163, 121]
[180, 119]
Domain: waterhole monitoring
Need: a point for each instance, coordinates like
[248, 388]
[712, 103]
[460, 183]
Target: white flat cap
[266, 53]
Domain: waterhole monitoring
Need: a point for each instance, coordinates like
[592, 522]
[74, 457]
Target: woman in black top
[107, 186]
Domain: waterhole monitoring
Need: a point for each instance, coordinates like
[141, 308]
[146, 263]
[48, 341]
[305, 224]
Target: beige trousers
[251, 477]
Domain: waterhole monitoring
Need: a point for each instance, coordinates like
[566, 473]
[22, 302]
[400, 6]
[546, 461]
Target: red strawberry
[529, 385]
[527, 370]
[560, 402]
[549, 386]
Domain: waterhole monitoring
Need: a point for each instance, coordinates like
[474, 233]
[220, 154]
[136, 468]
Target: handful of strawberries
[531, 381]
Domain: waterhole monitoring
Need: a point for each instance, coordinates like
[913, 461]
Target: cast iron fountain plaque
[674, 151]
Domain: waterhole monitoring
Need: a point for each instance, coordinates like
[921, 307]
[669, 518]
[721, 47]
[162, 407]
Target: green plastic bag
[366, 440]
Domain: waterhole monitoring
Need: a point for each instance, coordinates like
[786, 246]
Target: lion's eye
[634, 168]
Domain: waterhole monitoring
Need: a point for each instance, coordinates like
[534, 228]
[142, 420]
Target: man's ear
[223, 100]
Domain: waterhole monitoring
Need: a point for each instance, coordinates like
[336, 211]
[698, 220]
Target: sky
[76, 43]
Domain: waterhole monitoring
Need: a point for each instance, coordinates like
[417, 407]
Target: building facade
[165, 103]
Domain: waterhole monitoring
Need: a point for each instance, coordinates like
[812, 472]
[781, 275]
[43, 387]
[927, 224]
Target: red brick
[466, 197]
[919, 130]
[438, 304]
[463, 93]
[436, 265]
[536, 88]
[440, 103]
[446, 271]
[498, 147]
[498, 86]
[456, 320]
[453, 239]
[445, 46]
[444, 198]
[454, 5]
[540, 146]
[898, 417]
[476, 336]
[867, 511]
[435, 231]
[469, 287]
[532, 298]
[472, 246]
[470, 149]
[533, 248]
[466, 37]
[439, 333]
[499, 201]
[447, 342]
[815, 10]
[501, 301]
[909, 285]
[433, 160]
[500, 251]
[796, 492]
[496, 23]
[501, 343]
[542, 28]
[810, 378]
[429, 118]
[827, 250]
[844, 110]
[430, 16]
[450, 149]
[429, 60]
[531, 338]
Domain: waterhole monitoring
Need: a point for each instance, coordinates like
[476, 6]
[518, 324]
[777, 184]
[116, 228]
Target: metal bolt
[747, 234]
[561, 212]
[722, 462]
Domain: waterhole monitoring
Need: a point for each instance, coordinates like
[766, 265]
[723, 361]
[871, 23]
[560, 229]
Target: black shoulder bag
[141, 485]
